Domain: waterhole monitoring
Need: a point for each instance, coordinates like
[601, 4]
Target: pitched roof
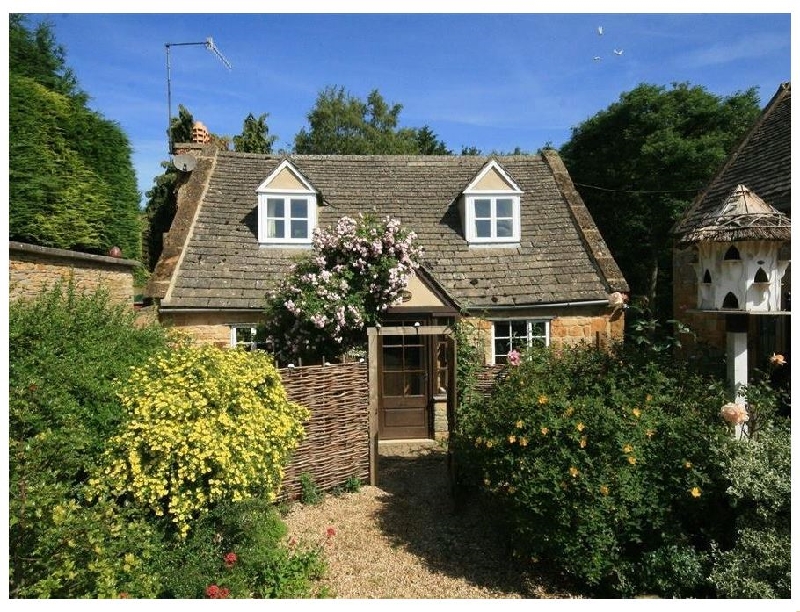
[741, 216]
[762, 162]
[212, 258]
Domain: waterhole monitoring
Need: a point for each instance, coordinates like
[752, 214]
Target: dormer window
[287, 208]
[490, 208]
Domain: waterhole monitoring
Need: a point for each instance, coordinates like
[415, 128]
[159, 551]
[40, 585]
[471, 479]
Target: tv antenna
[208, 43]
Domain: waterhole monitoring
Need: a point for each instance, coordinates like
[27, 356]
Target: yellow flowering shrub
[204, 425]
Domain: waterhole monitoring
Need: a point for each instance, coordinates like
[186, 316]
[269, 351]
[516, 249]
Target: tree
[429, 144]
[71, 179]
[36, 55]
[255, 136]
[639, 163]
[342, 124]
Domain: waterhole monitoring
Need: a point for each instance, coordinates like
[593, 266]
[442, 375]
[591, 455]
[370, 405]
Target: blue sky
[493, 80]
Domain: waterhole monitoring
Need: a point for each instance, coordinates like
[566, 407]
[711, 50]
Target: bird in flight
[597, 58]
[617, 51]
[600, 31]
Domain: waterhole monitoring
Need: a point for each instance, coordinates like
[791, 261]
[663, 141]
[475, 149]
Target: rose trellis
[356, 271]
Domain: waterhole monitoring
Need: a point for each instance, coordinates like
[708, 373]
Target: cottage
[508, 242]
[732, 244]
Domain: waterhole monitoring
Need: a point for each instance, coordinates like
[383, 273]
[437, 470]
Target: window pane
[274, 228]
[299, 209]
[414, 383]
[393, 358]
[501, 348]
[538, 328]
[393, 383]
[300, 229]
[275, 207]
[483, 208]
[245, 334]
[505, 228]
[519, 329]
[483, 229]
[505, 207]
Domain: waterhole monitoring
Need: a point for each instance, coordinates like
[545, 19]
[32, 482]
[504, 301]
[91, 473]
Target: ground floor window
[517, 334]
[243, 335]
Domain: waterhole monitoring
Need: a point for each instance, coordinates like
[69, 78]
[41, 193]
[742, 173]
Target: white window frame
[521, 342]
[253, 330]
[472, 218]
[304, 192]
[286, 197]
[473, 193]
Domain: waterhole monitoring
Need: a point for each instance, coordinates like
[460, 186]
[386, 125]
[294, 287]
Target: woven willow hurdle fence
[337, 443]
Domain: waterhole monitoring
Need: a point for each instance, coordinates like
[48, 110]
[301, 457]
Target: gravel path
[404, 539]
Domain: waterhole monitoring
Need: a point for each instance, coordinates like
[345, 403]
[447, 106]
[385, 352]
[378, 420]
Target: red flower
[330, 532]
[230, 559]
[123, 595]
[215, 592]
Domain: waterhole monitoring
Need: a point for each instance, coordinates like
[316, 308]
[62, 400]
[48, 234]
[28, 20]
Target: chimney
[200, 133]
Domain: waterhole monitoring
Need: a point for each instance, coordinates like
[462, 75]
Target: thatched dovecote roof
[762, 162]
[739, 217]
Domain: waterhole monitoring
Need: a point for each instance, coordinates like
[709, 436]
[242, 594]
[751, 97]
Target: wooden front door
[404, 387]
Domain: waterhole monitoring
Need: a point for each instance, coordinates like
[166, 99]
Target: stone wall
[568, 326]
[34, 268]
[212, 327]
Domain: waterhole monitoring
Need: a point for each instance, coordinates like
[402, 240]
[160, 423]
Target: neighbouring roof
[212, 258]
[762, 163]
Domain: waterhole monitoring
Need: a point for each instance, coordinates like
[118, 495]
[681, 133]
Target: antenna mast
[208, 43]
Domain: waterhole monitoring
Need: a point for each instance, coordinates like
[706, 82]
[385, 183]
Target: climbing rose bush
[356, 272]
[204, 425]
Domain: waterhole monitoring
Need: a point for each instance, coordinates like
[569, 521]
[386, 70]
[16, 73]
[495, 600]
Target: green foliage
[600, 463]
[640, 162]
[204, 425]
[255, 136]
[71, 178]
[180, 130]
[758, 565]
[310, 493]
[65, 351]
[36, 54]
[342, 124]
[241, 548]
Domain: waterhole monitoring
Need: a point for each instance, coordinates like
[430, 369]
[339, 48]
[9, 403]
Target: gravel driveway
[404, 539]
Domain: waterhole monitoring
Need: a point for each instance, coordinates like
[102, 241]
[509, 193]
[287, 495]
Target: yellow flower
[603, 489]
[649, 433]
[648, 398]
[637, 413]
[569, 411]
[545, 430]
[520, 424]
[627, 448]
[573, 471]
[687, 465]
[542, 400]
[523, 441]
[489, 444]
[512, 439]
[696, 492]
[583, 442]
[487, 482]
[512, 489]
[632, 460]
[580, 426]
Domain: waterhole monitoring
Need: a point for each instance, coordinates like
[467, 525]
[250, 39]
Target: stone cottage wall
[34, 268]
[568, 326]
[209, 327]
